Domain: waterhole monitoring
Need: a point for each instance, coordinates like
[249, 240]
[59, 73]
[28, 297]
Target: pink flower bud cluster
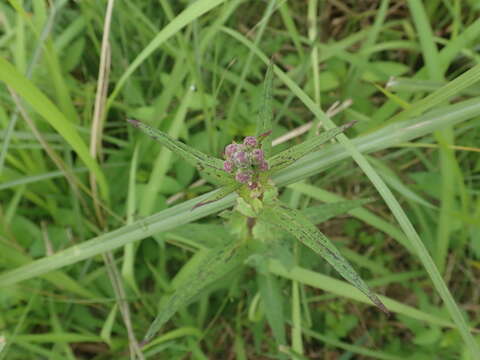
[245, 160]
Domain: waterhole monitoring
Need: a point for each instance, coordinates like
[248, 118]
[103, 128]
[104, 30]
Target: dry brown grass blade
[99, 110]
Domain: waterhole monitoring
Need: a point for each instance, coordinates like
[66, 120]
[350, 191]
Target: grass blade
[28, 91]
[218, 263]
[321, 213]
[264, 124]
[347, 291]
[289, 156]
[187, 16]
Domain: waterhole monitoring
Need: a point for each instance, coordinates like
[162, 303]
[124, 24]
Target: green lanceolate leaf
[209, 166]
[264, 124]
[289, 156]
[220, 194]
[272, 300]
[217, 263]
[298, 225]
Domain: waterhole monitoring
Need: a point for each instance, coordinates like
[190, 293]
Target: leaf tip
[134, 122]
[380, 305]
[201, 203]
[265, 134]
[349, 124]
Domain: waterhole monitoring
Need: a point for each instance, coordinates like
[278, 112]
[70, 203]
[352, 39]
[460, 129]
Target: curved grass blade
[298, 225]
[209, 166]
[321, 213]
[187, 16]
[217, 263]
[264, 124]
[289, 156]
[47, 109]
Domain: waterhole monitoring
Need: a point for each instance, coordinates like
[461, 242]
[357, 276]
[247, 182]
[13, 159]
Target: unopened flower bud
[240, 159]
[228, 166]
[263, 166]
[230, 149]
[250, 141]
[243, 176]
[257, 156]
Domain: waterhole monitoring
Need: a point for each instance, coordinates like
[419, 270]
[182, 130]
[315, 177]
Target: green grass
[414, 149]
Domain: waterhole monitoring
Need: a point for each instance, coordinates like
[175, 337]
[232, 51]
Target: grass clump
[103, 230]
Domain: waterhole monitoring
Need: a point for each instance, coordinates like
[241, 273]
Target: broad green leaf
[215, 265]
[209, 166]
[272, 302]
[289, 156]
[264, 124]
[295, 223]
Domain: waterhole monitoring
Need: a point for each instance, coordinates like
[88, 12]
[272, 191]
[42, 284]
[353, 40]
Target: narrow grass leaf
[321, 213]
[190, 14]
[218, 263]
[370, 354]
[272, 302]
[347, 291]
[40, 103]
[264, 124]
[296, 224]
[14, 257]
[289, 156]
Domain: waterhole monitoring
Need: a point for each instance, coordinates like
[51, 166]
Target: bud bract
[263, 166]
[250, 141]
[240, 159]
[231, 149]
[228, 166]
[243, 176]
[257, 156]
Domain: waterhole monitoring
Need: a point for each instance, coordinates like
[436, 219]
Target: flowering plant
[246, 169]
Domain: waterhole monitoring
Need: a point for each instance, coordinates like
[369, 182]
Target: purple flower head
[257, 156]
[250, 141]
[240, 158]
[228, 166]
[243, 176]
[263, 166]
[230, 149]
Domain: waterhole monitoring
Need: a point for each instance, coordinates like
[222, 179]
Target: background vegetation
[79, 188]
